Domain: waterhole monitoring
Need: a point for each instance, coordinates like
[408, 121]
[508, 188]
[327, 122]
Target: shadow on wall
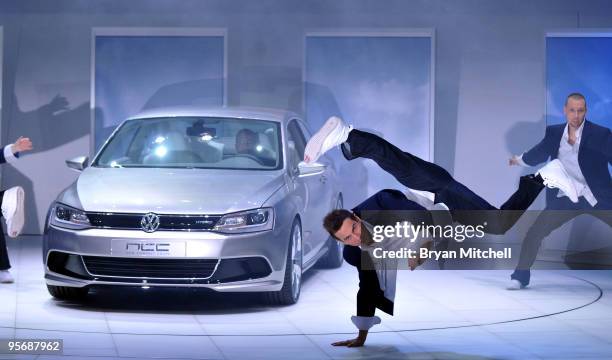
[48, 126]
[517, 143]
[55, 124]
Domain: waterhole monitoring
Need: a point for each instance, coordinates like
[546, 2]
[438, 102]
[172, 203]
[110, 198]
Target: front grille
[166, 222]
[150, 268]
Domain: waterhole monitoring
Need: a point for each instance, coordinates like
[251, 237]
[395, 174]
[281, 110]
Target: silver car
[195, 197]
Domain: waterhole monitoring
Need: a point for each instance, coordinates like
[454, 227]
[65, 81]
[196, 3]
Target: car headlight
[246, 221]
[69, 217]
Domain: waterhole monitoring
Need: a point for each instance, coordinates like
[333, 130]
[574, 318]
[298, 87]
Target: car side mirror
[78, 163]
[311, 169]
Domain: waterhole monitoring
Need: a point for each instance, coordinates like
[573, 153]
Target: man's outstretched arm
[10, 152]
[537, 154]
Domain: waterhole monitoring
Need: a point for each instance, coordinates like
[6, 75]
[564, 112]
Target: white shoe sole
[552, 182]
[12, 204]
[515, 285]
[313, 148]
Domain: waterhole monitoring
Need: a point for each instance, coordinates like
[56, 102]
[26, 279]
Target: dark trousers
[552, 218]
[419, 174]
[4, 259]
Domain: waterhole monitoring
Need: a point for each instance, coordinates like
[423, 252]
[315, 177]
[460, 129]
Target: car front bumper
[252, 262]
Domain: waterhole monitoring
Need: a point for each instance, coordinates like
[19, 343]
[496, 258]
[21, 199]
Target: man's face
[245, 142]
[350, 232]
[574, 111]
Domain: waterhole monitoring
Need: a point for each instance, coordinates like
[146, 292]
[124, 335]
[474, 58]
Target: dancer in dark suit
[418, 174]
[585, 150]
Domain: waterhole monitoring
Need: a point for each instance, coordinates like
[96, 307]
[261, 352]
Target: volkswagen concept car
[194, 197]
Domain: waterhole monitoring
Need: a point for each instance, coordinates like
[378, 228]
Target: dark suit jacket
[594, 155]
[376, 211]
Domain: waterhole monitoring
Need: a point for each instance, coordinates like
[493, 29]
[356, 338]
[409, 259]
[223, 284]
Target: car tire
[333, 258]
[292, 281]
[68, 293]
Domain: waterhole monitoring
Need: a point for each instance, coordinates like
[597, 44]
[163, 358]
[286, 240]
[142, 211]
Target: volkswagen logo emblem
[149, 223]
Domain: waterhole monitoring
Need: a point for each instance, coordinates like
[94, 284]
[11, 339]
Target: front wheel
[292, 281]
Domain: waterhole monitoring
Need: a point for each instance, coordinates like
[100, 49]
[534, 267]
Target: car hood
[174, 191]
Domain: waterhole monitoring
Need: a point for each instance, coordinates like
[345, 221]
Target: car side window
[298, 140]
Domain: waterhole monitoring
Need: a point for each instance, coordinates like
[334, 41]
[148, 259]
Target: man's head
[246, 141]
[575, 109]
[344, 226]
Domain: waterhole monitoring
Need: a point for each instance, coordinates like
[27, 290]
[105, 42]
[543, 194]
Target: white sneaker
[333, 133]
[6, 277]
[12, 210]
[555, 177]
[515, 285]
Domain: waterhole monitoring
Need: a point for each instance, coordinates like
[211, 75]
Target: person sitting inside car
[247, 142]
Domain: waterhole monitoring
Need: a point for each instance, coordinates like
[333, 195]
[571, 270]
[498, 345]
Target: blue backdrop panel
[133, 73]
[377, 83]
[579, 64]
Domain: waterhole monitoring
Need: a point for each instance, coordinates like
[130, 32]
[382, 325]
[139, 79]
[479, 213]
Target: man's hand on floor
[356, 342]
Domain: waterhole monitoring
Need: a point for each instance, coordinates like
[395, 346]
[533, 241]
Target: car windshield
[194, 142]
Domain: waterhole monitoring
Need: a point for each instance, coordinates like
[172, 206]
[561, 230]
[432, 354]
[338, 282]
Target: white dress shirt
[8, 154]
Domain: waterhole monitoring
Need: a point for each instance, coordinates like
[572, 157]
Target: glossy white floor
[439, 315]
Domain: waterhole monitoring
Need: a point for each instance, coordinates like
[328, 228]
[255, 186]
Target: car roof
[238, 112]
